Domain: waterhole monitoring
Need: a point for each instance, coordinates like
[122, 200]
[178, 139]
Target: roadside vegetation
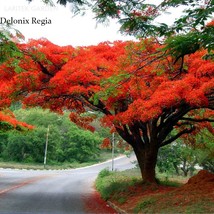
[175, 194]
[104, 156]
[68, 145]
[185, 182]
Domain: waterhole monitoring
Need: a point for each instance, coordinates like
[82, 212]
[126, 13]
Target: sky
[65, 29]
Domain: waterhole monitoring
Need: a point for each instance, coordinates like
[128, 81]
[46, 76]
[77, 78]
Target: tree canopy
[141, 91]
[9, 122]
[10, 51]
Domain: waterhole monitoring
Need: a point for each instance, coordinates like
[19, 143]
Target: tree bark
[176, 168]
[147, 159]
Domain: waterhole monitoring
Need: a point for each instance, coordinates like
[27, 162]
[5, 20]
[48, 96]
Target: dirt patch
[135, 194]
[202, 178]
[201, 184]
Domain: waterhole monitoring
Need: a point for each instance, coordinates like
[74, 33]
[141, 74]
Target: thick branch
[166, 127]
[210, 97]
[99, 106]
[143, 127]
[34, 58]
[124, 133]
[43, 69]
[135, 132]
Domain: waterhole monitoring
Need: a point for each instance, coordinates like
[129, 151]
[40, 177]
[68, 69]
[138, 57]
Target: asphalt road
[55, 192]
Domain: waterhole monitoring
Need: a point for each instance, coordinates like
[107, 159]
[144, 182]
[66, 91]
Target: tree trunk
[176, 168]
[184, 168]
[147, 159]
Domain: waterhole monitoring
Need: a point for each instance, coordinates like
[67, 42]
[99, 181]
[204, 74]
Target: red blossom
[124, 80]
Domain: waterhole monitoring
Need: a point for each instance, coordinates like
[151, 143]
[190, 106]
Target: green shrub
[102, 183]
[104, 173]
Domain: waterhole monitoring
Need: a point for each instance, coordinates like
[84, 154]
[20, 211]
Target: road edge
[115, 207]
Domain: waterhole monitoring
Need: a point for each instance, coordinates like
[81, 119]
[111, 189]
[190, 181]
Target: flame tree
[8, 49]
[144, 95]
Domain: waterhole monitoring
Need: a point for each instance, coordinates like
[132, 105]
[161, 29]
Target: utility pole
[46, 147]
[112, 155]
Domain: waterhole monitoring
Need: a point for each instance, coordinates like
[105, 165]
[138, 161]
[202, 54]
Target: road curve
[55, 191]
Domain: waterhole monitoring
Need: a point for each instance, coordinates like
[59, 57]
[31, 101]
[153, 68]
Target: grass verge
[28, 166]
[115, 184]
[54, 166]
[126, 190]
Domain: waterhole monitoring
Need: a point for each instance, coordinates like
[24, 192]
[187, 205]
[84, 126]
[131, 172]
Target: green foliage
[208, 164]
[28, 146]
[103, 173]
[101, 184]
[170, 183]
[66, 142]
[177, 157]
[183, 44]
[4, 126]
[8, 48]
[205, 151]
[184, 156]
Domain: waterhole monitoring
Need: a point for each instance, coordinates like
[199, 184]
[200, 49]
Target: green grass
[54, 166]
[15, 165]
[115, 184]
[170, 183]
[172, 178]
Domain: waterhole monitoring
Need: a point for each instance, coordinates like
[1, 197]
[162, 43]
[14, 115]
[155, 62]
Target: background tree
[205, 150]
[133, 84]
[188, 153]
[167, 161]
[176, 158]
[9, 122]
[67, 142]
